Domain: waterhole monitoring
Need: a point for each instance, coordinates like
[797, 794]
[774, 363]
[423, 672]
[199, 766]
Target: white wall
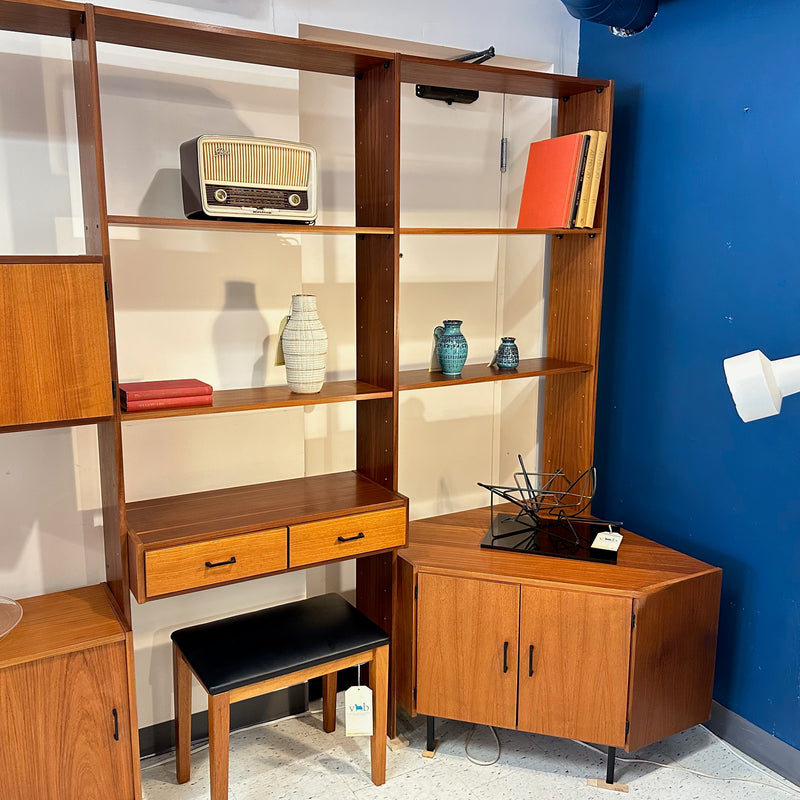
[207, 305]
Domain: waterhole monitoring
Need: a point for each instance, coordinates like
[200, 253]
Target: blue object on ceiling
[624, 17]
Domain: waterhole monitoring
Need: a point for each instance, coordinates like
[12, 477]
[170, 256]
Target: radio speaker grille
[255, 164]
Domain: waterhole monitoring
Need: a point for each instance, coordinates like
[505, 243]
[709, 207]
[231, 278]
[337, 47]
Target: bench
[252, 654]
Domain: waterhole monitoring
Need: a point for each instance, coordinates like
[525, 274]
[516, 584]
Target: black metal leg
[430, 745]
[612, 757]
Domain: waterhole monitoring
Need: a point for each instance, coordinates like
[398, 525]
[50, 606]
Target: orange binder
[552, 182]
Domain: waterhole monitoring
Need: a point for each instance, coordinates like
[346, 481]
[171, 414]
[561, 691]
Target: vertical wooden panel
[377, 155]
[95, 218]
[405, 646]
[574, 305]
[466, 629]
[377, 151]
[53, 344]
[580, 657]
[672, 663]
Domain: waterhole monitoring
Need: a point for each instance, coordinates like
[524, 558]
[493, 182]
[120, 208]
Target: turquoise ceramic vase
[451, 346]
[507, 354]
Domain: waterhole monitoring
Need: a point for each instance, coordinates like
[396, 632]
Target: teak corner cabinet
[616, 654]
[59, 363]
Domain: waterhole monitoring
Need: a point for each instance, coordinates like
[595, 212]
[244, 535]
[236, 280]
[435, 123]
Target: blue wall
[703, 262]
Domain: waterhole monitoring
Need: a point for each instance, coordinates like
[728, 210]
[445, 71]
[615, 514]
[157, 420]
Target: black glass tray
[564, 538]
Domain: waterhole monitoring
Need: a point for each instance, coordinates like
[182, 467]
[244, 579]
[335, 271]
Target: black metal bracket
[448, 95]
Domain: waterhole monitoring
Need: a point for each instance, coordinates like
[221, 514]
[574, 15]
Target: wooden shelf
[487, 78]
[213, 41]
[62, 622]
[229, 400]
[45, 260]
[232, 226]
[480, 373]
[496, 231]
[188, 518]
[47, 17]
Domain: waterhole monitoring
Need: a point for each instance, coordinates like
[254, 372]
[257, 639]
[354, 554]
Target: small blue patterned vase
[451, 346]
[507, 354]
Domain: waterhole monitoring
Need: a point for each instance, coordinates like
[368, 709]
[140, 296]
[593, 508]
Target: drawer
[230, 558]
[345, 537]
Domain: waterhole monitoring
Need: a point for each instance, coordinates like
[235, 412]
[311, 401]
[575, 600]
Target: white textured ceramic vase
[305, 346]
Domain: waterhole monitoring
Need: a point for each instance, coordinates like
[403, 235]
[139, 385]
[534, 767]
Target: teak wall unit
[78, 294]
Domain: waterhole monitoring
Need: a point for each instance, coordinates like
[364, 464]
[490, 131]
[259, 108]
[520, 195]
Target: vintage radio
[244, 177]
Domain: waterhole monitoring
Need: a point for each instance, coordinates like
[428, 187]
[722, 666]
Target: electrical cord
[475, 760]
[787, 789]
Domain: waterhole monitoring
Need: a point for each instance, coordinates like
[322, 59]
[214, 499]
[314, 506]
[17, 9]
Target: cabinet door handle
[231, 560]
[116, 723]
[530, 662]
[505, 656]
[360, 535]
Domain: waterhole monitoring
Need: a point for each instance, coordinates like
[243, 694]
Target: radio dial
[220, 195]
[294, 199]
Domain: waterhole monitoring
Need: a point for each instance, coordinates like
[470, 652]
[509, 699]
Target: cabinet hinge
[105, 286]
[416, 592]
[504, 154]
[627, 726]
[415, 694]
[633, 620]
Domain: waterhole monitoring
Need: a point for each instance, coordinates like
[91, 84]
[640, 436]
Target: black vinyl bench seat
[262, 651]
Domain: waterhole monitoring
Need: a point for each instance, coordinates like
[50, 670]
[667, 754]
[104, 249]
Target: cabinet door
[574, 657]
[467, 649]
[58, 722]
[54, 360]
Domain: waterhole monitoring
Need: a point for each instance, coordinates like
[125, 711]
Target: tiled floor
[293, 758]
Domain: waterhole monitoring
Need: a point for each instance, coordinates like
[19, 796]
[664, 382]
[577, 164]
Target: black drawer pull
[505, 656]
[530, 662]
[116, 723]
[350, 538]
[231, 560]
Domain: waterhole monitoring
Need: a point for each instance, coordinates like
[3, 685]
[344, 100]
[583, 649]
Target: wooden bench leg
[219, 730]
[329, 702]
[182, 680]
[379, 683]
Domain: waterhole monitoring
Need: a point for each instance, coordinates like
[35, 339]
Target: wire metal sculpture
[550, 516]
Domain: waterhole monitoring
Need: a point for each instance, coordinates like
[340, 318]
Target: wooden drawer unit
[345, 537]
[230, 558]
[189, 542]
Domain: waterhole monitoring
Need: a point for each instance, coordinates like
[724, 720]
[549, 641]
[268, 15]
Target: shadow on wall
[250, 9]
[49, 540]
[238, 333]
[36, 137]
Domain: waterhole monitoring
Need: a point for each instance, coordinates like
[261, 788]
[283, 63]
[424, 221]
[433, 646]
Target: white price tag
[280, 361]
[358, 711]
[607, 540]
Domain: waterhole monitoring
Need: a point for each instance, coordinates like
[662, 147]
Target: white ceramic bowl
[10, 615]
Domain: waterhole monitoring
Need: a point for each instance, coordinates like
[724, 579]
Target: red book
[145, 390]
[552, 179]
[167, 402]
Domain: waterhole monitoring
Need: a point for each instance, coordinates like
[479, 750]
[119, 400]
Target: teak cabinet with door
[67, 712]
[617, 654]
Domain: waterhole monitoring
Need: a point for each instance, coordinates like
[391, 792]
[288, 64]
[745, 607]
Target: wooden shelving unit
[497, 231]
[569, 370]
[479, 373]
[229, 400]
[231, 226]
